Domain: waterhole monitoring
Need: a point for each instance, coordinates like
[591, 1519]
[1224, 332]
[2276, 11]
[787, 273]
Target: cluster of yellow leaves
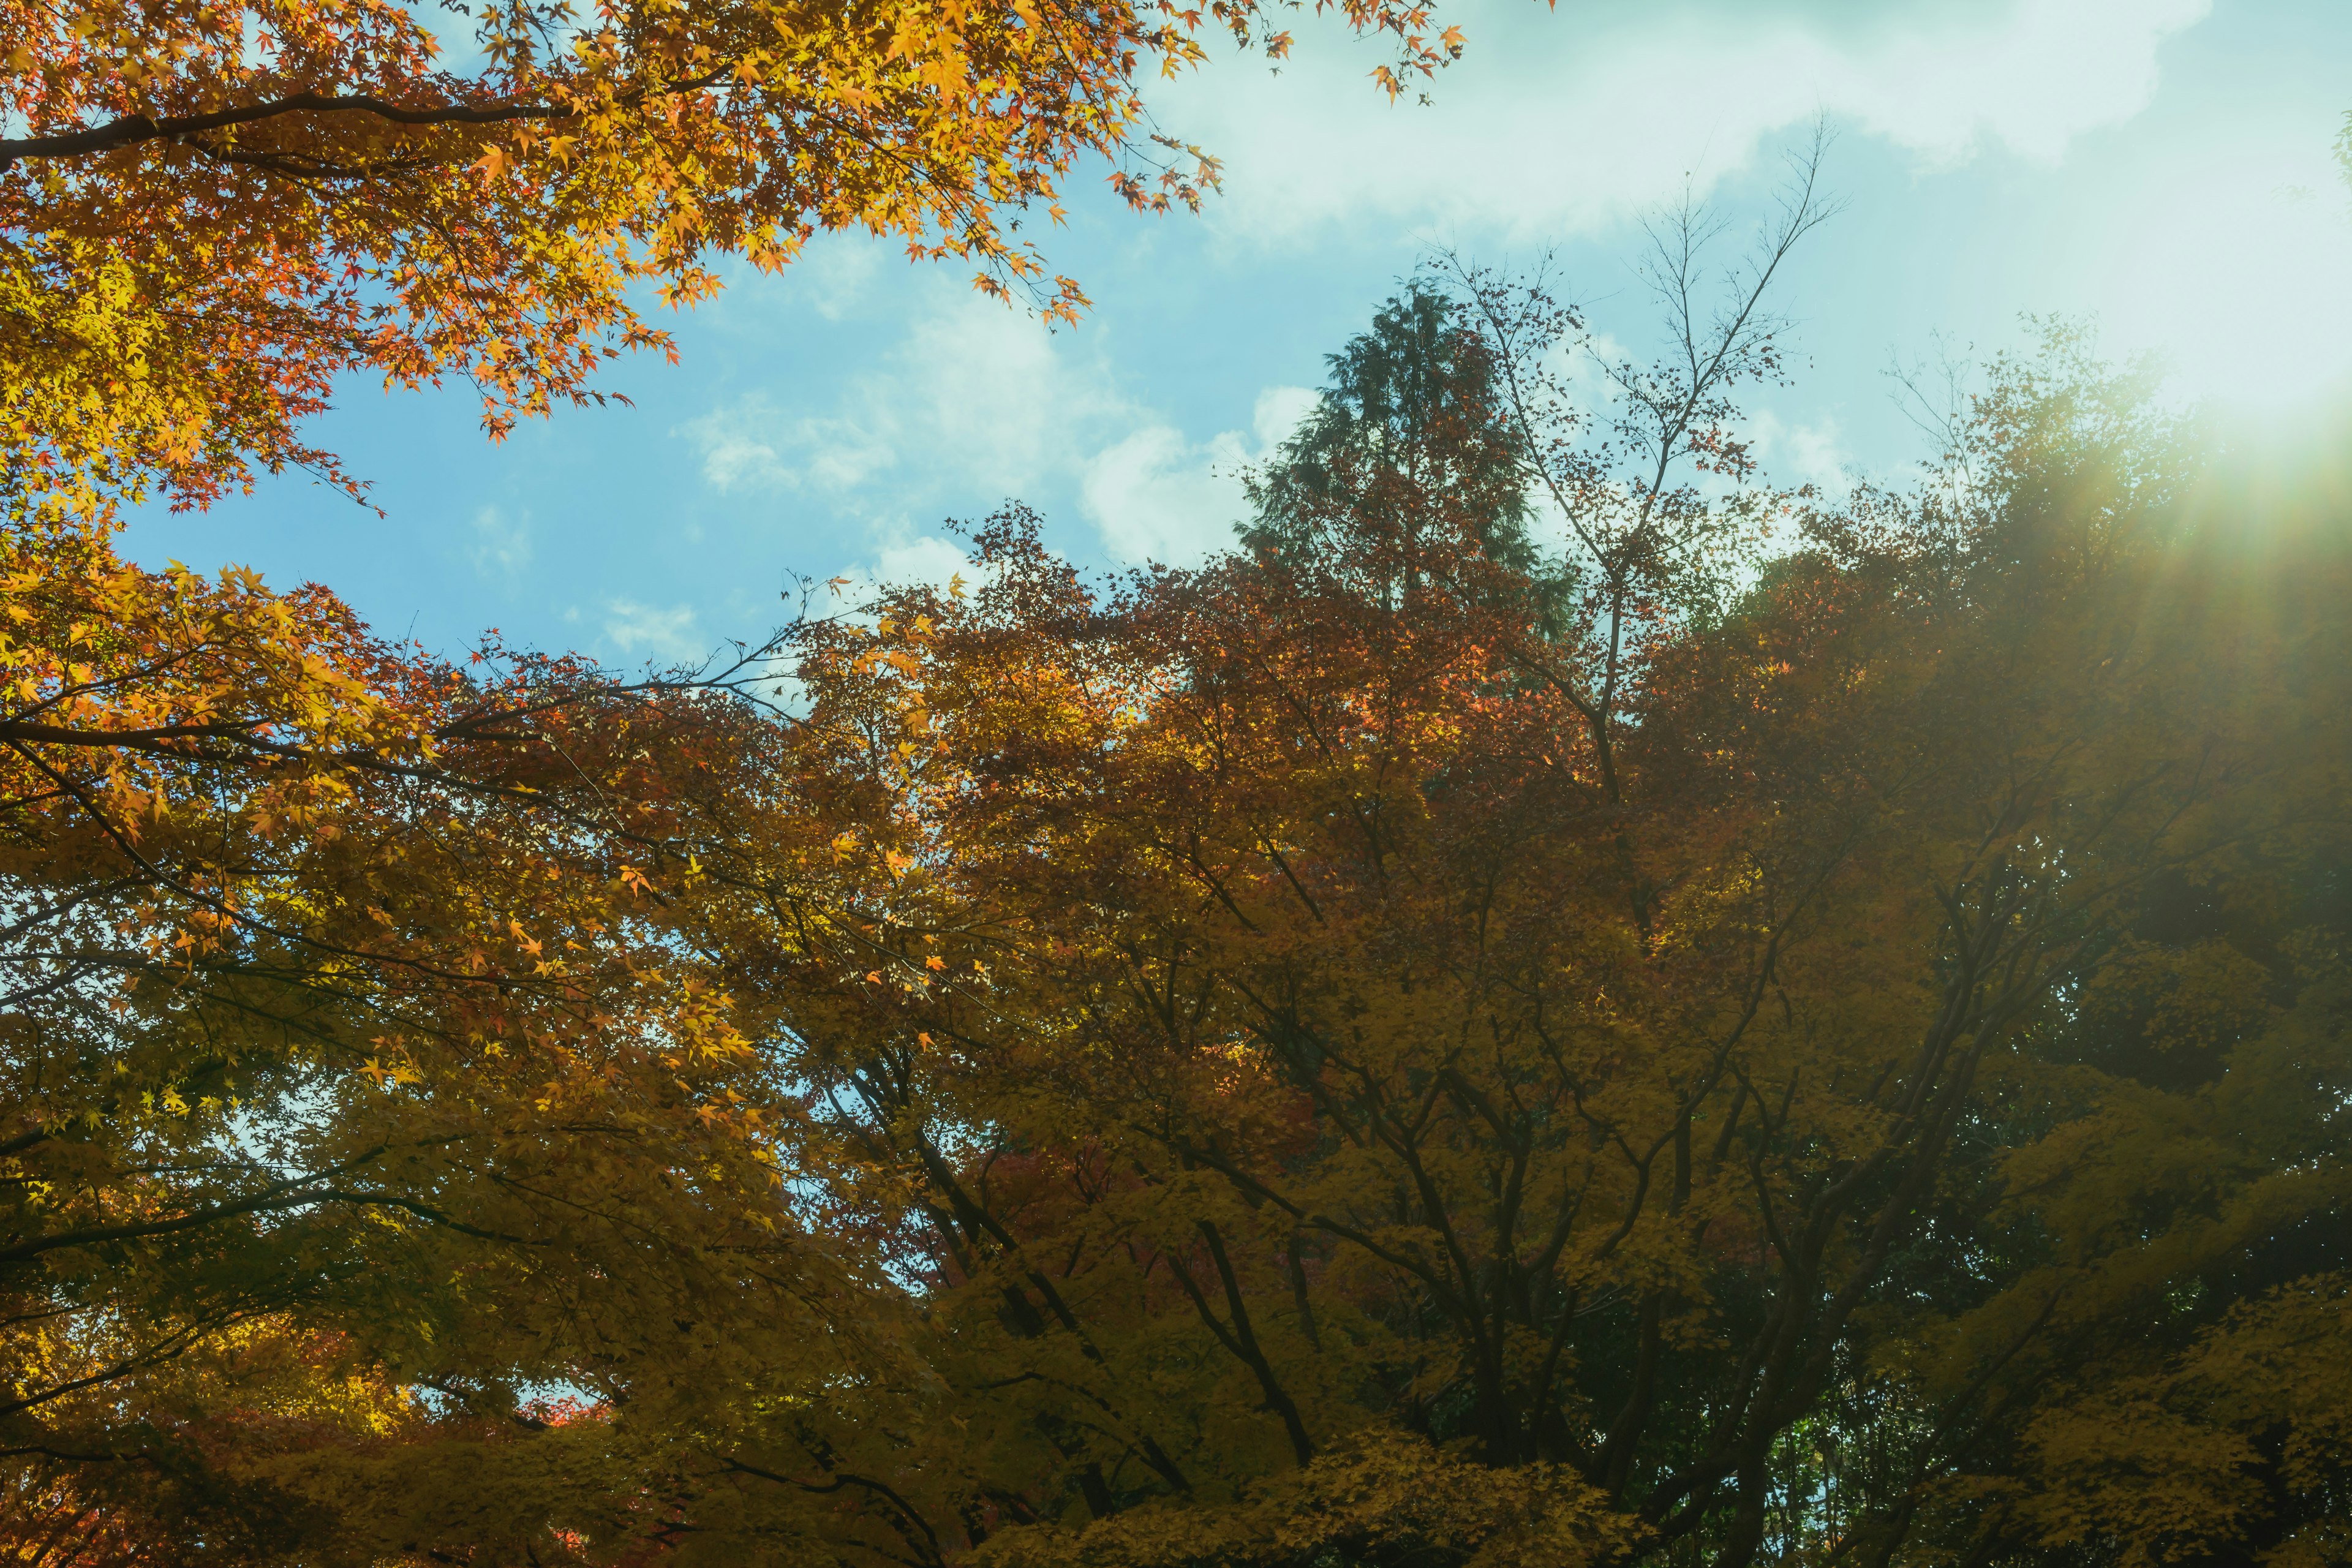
[2191, 1457]
[96, 401]
[209, 210]
[336, 1002]
[1376, 1495]
[136, 672]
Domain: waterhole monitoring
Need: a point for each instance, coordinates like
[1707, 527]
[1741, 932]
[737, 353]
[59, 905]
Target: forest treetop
[1399, 1047]
[1562, 1005]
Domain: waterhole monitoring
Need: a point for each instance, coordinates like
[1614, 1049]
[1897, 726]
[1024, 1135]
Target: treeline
[1398, 1046]
[1561, 1004]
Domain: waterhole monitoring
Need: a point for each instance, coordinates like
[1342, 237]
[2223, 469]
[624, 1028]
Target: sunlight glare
[2239, 281]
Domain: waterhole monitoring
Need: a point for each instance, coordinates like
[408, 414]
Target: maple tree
[209, 211]
[1876, 1097]
[1563, 1004]
[335, 979]
[354, 1089]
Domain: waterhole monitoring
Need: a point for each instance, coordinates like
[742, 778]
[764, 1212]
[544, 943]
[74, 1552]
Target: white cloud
[976, 404]
[1157, 497]
[502, 544]
[1280, 411]
[836, 271]
[1802, 454]
[977, 390]
[925, 558]
[669, 633]
[898, 557]
[2245, 301]
[1560, 123]
[734, 454]
[751, 444]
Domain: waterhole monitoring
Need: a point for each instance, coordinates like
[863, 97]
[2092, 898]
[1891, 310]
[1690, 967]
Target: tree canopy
[1239, 1067]
[210, 211]
[1330, 1114]
[1564, 1005]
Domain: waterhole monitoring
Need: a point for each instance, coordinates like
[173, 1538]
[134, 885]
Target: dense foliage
[1252, 1065]
[345, 1080]
[1561, 1004]
[1322, 1113]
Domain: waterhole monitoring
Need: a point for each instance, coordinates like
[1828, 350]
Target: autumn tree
[339, 997]
[208, 212]
[1654, 480]
[1873, 1091]
[362, 1114]
[1566, 1005]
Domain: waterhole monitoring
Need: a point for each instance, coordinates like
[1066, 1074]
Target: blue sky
[2162, 164]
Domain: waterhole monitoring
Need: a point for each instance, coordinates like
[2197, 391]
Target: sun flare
[2235, 275]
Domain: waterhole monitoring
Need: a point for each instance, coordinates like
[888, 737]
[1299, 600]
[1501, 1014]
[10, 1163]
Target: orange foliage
[209, 211]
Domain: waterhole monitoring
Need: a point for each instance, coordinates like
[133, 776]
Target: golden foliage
[1358, 1055]
[208, 211]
